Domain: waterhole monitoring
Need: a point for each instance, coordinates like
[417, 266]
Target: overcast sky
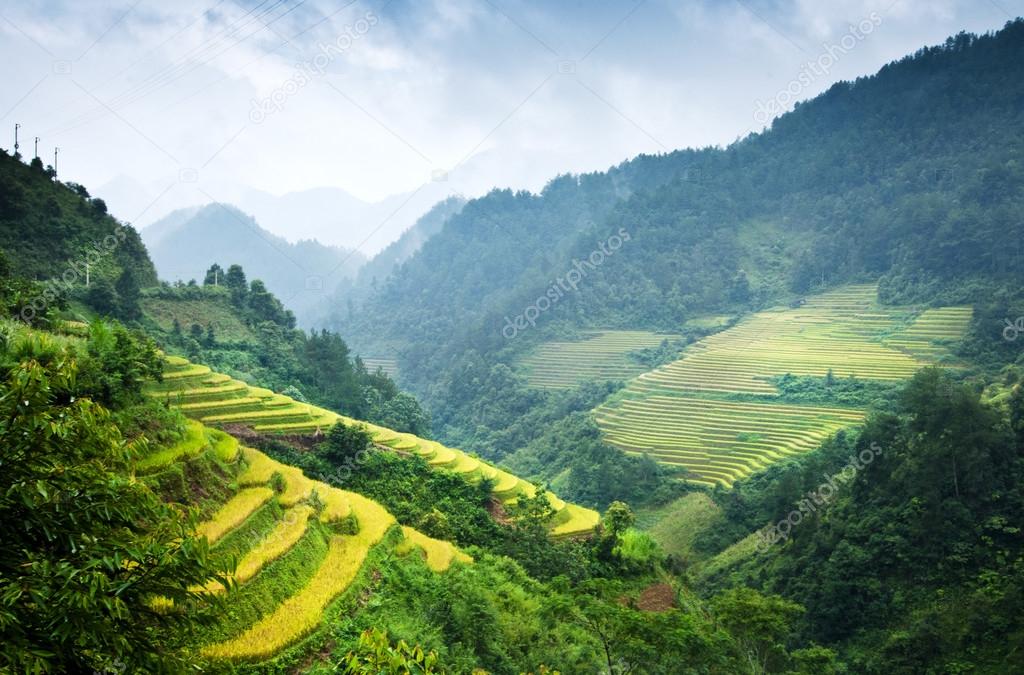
[160, 104]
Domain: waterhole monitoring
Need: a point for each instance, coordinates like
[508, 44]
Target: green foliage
[761, 624]
[588, 470]
[117, 363]
[343, 444]
[938, 502]
[376, 655]
[666, 642]
[51, 230]
[244, 331]
[92, 548]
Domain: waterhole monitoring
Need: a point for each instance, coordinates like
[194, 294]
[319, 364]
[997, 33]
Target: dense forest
[928, 203]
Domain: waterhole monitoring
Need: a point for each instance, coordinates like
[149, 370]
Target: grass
[680, 413]
[439, 555]
[676, 526]
[234, 512]
[601, 355]
[226, 325]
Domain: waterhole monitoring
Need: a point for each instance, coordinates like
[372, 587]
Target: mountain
[354, 291]
[52, 230]
[335, 217]
[185, 243]
[912, 176]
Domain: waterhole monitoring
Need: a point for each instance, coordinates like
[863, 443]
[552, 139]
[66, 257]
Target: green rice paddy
[715, 411]
[601, 355]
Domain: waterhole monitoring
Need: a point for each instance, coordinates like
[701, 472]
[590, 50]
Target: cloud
[524, 90]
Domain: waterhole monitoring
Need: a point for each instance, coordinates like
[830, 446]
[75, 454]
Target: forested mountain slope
[184, 244]
[52, 230]
[912, 176]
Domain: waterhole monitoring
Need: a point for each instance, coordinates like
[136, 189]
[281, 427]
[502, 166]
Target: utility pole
[215, 275]
[16, 127]
[87, 275]
[55, 151]
[37, 148]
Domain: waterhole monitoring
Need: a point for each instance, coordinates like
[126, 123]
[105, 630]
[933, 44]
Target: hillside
[216, 399]
[729, 407]
[928, 205]
[185, 244]
[51, 230]
[352, 292]
[243, 563]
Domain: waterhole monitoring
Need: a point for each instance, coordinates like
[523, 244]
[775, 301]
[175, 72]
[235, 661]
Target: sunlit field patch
[696, 412]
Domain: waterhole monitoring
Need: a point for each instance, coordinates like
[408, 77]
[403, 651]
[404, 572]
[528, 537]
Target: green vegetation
[941, 513]
[240, 329]
[678, 414]
[266, 412]
[600, 355]
[92, 548]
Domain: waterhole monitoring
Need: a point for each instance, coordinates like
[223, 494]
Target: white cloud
[436, 79]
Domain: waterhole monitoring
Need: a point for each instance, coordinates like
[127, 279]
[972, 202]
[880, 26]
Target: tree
[236, 283]
[128, 294]
[632, 641]
[215, 276]
[102, 297]
[343, 443]
[93, 548]
[760, 624]
[617, 519]
[375, 655]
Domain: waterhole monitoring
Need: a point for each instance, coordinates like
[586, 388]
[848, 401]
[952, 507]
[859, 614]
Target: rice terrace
[715, 410]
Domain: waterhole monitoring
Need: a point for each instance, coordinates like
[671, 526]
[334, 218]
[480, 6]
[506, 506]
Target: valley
[781, 432]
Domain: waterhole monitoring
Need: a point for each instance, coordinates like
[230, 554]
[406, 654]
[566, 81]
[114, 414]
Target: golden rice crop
[439, 554]
[336, 504]
[234, 512]
[280, 540]
[300, 614]
[194, 442]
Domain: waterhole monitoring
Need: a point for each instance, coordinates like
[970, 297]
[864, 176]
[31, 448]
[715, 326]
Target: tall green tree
[87, 550]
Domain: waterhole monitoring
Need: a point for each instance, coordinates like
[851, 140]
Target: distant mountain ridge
[353, 291]
[185, 243]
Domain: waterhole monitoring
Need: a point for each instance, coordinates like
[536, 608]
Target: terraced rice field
[264, 524]
[389, 366]
[720, 441]
[681, 413]
[932, 331]
[602, 355]
[216, 399]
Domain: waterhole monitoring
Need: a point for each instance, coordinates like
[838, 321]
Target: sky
[157, 105]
